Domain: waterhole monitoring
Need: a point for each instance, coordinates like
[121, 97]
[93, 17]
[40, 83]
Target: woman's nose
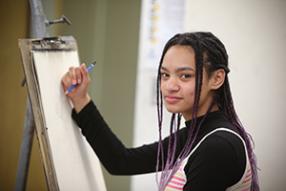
[172, 84]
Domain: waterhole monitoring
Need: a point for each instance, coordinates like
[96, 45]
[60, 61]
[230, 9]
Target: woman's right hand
[79, 96]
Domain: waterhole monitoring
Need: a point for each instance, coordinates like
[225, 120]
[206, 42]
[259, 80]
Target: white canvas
[76, 165]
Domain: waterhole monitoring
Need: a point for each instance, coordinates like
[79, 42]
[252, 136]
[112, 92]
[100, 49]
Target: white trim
[210, 133]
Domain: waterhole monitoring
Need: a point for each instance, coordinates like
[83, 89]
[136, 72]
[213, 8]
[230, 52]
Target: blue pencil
[73, 86]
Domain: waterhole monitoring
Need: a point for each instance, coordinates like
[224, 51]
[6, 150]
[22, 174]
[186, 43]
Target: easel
[38, 29]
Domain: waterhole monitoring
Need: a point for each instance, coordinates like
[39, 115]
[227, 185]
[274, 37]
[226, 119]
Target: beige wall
[14, 25]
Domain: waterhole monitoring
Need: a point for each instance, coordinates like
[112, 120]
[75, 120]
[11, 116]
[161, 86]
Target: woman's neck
[188, 116]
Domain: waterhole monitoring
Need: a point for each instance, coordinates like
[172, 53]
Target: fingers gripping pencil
[73, 86]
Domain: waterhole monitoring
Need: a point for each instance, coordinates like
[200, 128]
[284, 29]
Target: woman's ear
[217, 79]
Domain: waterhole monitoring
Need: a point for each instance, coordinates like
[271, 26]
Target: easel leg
[38, 29]
[25, 150]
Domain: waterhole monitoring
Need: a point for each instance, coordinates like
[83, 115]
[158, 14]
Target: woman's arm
[115, 157]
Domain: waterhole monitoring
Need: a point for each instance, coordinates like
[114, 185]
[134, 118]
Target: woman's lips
[172, 99]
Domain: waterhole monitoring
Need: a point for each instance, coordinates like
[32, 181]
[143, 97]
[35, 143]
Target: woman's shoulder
[225, 137]
[224, 141]
[220, 155]
[223, 144]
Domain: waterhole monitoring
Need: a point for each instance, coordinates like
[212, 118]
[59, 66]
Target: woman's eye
[164, 75]
[185, 76]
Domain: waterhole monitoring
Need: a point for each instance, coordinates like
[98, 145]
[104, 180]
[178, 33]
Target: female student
[213, 150]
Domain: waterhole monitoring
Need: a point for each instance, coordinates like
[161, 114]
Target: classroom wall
[14, 19]
[107, 30]
[254, 33]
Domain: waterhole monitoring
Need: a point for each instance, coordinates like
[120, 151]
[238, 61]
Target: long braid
[160, 152]
[246, 136]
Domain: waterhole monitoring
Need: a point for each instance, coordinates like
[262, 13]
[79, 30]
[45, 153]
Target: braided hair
[210, 53]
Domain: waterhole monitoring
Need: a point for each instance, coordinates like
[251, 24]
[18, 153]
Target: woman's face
[178, 82]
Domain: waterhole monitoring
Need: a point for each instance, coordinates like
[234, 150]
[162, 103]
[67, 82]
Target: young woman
[213, 151]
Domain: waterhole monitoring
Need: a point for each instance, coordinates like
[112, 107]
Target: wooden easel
[38, 29]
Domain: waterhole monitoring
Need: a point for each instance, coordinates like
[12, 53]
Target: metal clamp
[63, 19]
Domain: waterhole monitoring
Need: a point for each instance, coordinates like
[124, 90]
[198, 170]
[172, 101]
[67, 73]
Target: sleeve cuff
[83, 114]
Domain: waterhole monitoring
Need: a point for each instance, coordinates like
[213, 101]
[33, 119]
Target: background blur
[110, 31]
